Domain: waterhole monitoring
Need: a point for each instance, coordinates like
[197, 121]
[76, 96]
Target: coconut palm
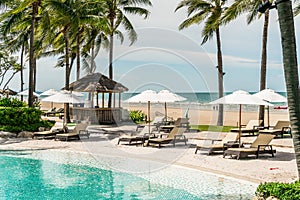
[211, 12]
[288, 42]
[250, 6]
[116, 11]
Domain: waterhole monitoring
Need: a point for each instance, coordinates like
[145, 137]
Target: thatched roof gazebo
[99, 83]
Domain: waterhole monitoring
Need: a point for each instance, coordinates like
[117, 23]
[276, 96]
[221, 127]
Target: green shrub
[282, 191]
[11, 102]
[17, 119]
[137, 116]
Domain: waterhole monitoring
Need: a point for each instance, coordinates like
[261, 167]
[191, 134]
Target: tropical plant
[283, 191]
[211, 12]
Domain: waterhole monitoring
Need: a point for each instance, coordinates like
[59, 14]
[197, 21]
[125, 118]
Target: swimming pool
[69, 175]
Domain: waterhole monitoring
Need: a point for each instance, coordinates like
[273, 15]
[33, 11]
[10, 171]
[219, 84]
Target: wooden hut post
[114, 105]
[102, 99]
[119, 99]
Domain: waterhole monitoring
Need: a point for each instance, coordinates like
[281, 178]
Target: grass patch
[212, 128]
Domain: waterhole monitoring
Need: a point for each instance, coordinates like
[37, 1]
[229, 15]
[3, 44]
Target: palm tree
[288, 42]
[239, 7]
[115, 13]
[211, 11]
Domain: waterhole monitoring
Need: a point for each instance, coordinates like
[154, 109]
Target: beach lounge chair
[141, 136]
[261, 145]
[252, 127]
[280, 128]
[180, 122]
[157, 121]
[229, 140]
[50, 112]
[76, 133]
[57, 128]
[176, 135]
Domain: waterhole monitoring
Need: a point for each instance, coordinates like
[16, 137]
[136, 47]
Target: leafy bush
[11, 102]
[282, 191]
[17, 119]
[137, 116]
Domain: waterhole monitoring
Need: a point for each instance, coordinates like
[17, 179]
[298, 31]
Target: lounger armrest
[179, 137]
[84, 133]
[258, 127]
[215, 140]
[286, 129]
[263, 147]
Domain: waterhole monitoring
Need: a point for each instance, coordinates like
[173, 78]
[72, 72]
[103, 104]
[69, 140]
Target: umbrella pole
[166, 116]
[240, 123]
[268, 117]
[149, 116]
[64, 118]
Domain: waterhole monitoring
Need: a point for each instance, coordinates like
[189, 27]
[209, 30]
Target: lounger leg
[196, 150]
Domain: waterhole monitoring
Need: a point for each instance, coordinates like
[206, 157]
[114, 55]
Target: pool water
[25, 177]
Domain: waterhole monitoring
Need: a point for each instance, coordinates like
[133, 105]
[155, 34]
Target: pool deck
[103, 142]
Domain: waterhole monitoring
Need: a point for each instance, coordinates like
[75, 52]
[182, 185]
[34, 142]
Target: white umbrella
[270, 96]
[49, 92]
[63, 97]
[240, 97]
[146, 96]
[167, 96]
[25, 93]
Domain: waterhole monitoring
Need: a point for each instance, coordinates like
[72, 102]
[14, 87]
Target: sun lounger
[176, 135]
[78, 131]
[230, 140]
[252, 127]
[180, 122]
[261, 145]
[50, 112]
[157, 121]
[280, 128]
[48, 134]
[141, 136]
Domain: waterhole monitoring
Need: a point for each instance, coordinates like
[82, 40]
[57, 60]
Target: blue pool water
[23, 177]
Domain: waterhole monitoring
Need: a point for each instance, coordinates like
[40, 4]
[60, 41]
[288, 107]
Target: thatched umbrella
[8, 92]
[98, 83]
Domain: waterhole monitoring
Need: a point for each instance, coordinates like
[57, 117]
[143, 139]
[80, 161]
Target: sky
[165, 58]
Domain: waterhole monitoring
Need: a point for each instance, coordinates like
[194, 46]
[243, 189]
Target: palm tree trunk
[263, 64]
[110, 66]
[31, 56]
[288, 42]
[67, 106]
[22, 70]
[220, 77]
[78, 57]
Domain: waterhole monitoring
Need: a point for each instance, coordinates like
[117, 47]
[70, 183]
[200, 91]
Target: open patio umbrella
[146, 96]
[8, 92]
[49, 92]
[166, 96]
[270, 96]
[63, 97]
[25, 93]
[240, 98]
